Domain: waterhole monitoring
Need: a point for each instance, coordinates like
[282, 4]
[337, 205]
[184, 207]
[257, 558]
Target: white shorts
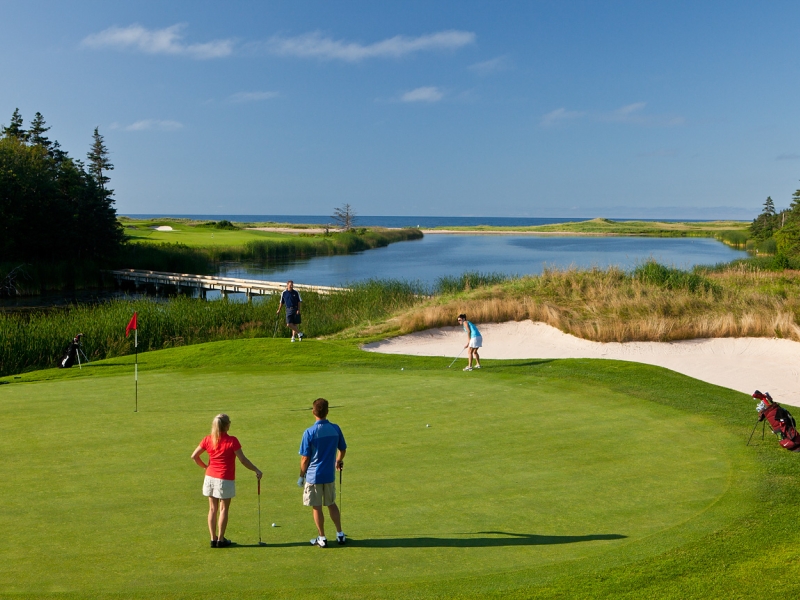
[476, 342]
[219, 488]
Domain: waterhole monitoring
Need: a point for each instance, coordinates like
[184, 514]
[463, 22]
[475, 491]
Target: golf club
[456, 358]
[260, 543]
[752, 432]
[340, 493]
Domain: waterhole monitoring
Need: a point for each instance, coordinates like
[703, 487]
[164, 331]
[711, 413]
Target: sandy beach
[742, 364]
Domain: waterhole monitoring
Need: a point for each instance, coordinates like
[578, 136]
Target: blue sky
[651, 109]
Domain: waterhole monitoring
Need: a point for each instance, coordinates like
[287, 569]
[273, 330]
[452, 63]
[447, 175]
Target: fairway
[525, 477]
[199, 236]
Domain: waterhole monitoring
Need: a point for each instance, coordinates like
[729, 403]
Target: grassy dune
[573, 479]
[651, 304]
[601, 226]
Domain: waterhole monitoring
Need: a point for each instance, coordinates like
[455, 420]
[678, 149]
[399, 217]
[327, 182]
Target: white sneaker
[319, 541]
[477, 366]
[341, 539]
[300, 336]
[293, 340]
[468, 368]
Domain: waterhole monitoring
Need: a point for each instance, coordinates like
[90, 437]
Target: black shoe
[224, 543]
[213, 543]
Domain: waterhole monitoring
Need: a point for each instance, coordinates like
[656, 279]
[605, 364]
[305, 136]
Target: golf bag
[71, 353]
[780, 420]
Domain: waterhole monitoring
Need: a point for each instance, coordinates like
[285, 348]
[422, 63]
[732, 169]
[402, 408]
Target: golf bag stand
[780, 421]
[73, 354]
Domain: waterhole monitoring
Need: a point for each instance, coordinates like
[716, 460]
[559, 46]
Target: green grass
[536, 479]
[729, 231]
[38, 340]
[189, 235]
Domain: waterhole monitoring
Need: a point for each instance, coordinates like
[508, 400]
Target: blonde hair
[219, 425]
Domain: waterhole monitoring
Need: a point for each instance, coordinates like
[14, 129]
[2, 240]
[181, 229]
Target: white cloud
[157, 41]
[632, 113]
[314, 45]
[561, 114]
[251, 96]
[501, 63]
[154, 124]
[423, 94]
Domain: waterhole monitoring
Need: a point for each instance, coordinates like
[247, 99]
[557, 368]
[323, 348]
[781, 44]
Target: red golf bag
[780, 420]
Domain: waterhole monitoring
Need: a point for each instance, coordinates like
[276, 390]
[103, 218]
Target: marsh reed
[34, 341]
[653, 303]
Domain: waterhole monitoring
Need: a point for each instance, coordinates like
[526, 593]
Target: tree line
[54, 208]
[779, 231]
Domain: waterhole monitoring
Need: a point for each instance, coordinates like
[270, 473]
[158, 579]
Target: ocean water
[387, 221]
[438, 255]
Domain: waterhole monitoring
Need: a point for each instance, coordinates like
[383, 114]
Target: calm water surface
[437, 255]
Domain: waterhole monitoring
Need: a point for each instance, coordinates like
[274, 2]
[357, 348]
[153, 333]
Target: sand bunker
[743, 364]
[163, 228]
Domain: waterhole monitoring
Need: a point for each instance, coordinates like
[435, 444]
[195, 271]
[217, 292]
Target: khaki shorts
[219, 488]
[319, 494]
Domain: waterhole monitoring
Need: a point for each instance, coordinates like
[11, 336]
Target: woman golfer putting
[474, 341]
[219, 484]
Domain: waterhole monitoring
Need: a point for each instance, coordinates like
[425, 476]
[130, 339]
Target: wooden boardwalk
[203, 283]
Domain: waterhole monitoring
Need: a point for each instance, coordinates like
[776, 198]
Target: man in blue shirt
[291, 299]
[318, 465]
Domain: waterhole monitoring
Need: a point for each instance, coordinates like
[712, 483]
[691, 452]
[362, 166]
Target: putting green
[523, 477]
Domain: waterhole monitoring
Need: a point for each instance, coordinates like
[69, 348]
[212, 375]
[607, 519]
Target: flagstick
[136, 367]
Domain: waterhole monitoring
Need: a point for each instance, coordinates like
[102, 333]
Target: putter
[456, 358]
[260, 543]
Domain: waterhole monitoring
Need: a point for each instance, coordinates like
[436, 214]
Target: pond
[438, 255]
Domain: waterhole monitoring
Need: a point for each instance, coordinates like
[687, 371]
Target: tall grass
[673, 279]
[37, 340]
[733, 238]
[467, 281]
[614, 306]
[204, 259]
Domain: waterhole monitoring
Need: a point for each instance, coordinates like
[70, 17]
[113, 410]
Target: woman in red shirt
[219, 484]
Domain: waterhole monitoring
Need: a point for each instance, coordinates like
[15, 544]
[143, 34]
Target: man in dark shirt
[291, 299]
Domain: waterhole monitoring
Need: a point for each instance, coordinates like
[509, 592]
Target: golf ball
[427, 425]
[402, 369]
[274, 525]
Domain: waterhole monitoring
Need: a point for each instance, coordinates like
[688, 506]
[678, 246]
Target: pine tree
[769, 207]
[37, 131]
[98, 161]
[15, 130]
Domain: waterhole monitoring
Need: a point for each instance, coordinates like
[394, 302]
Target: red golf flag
[131, 325]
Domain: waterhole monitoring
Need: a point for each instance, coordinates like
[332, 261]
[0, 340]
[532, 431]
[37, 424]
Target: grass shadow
[510, 539]
[528, 363]
[234, 545]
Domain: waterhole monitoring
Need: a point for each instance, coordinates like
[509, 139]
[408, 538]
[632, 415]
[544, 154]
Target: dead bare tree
[344, 217]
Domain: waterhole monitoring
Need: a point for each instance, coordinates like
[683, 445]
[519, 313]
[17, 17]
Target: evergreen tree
[765, 224]
[98, 161]
[15, 130]
[51, 208]
[37, 131]
[769, 206]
